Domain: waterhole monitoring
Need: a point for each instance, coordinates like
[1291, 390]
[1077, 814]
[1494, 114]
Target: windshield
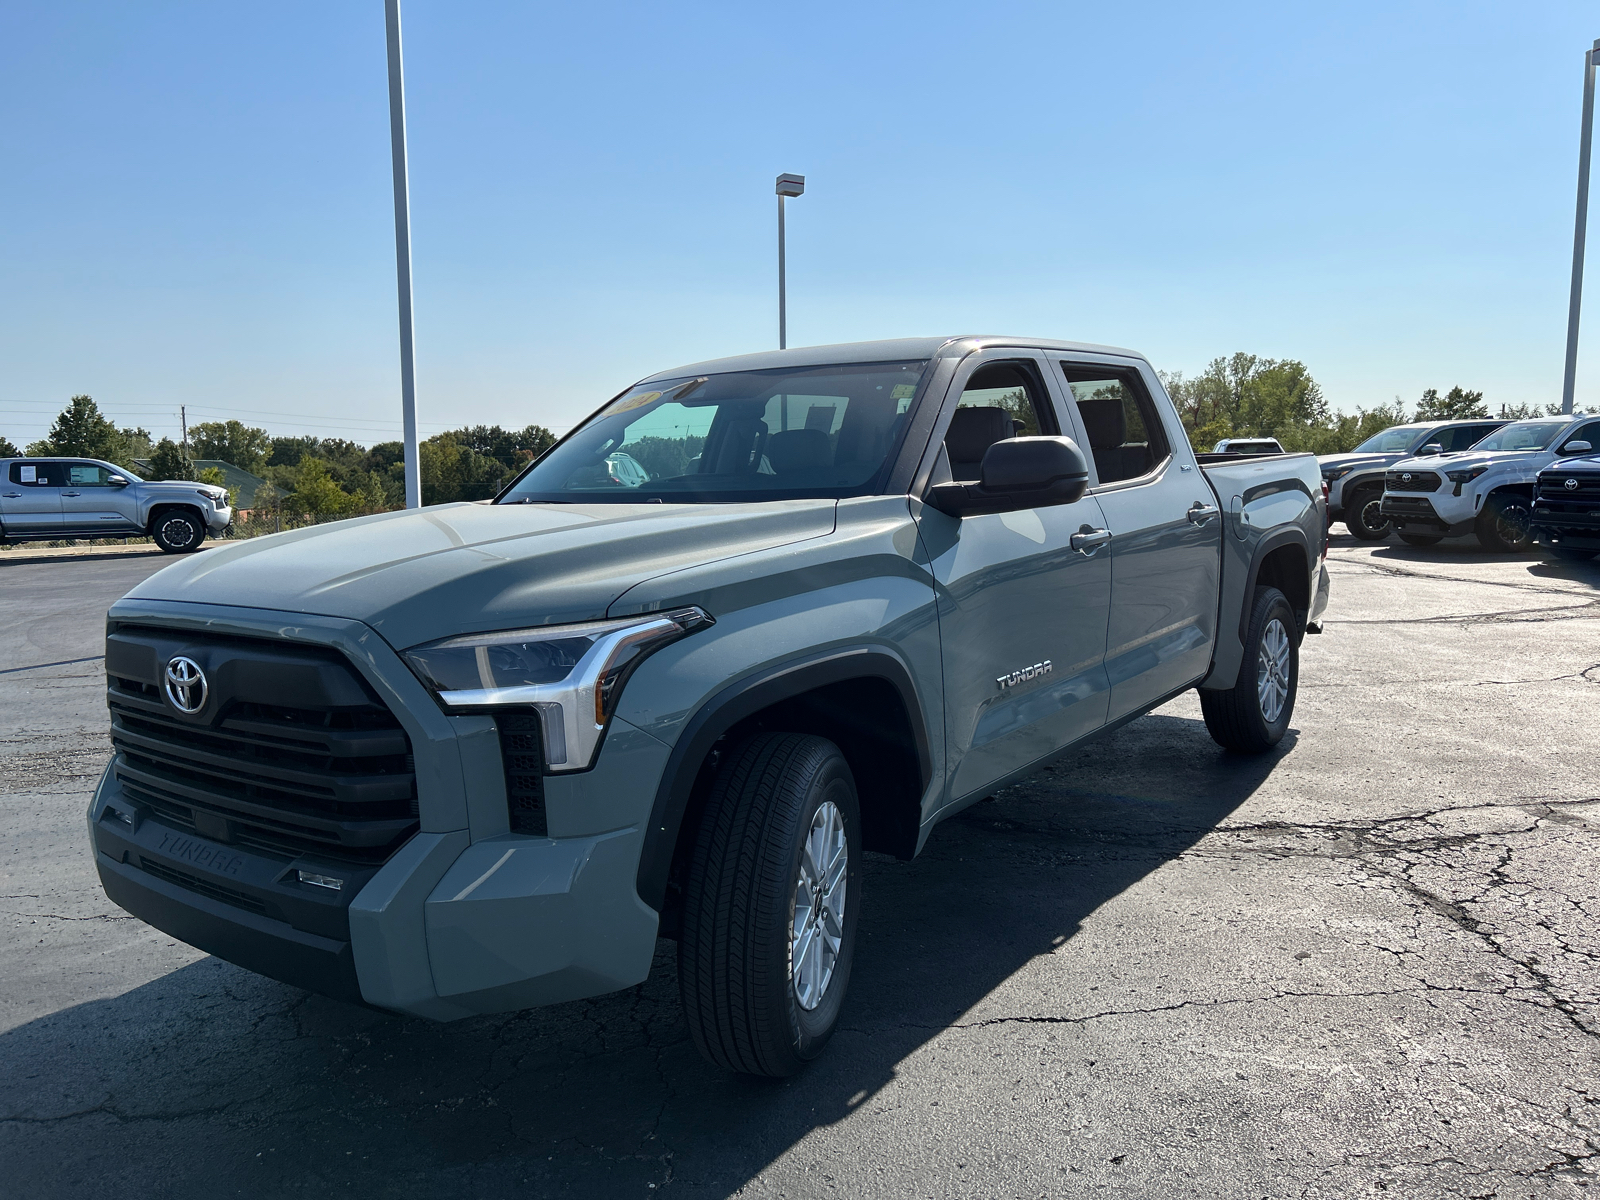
[789, 433]
[1522, 435]
[1397, 439]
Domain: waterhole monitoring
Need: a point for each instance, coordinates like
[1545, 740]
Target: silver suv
[48, 499]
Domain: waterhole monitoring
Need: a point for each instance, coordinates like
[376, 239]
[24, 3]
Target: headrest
[797, 449]
[974, 430]
[1104, 422]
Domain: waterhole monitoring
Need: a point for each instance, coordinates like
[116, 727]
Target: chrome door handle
[1088, 539]
[1199, 514]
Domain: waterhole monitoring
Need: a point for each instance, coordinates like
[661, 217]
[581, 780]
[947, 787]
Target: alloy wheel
[818, 911]
[1272, 671]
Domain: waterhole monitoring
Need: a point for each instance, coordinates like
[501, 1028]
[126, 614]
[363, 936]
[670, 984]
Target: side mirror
[117, 480]
[1579, 447]
[1031, 472]
[1430, 449]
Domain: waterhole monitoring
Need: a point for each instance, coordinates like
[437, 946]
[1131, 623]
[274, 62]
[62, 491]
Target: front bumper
[1578, 528]
[463, 918]
[1414, 511]
[218, 520]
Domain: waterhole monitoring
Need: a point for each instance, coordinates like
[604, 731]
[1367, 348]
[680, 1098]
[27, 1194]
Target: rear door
[1022, 614]
[31, 498]
[1166, 534]
[89, 502]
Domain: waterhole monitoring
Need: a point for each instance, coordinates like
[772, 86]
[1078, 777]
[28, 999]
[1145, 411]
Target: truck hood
[1325, 461]
[1465, 459]
[468, 568]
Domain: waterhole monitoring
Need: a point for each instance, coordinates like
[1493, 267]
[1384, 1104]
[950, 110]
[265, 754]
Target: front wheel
[177, 531]
[1505, 525]
[770, 905]
[1253, 715]
[1422, 539]
[1364, 518]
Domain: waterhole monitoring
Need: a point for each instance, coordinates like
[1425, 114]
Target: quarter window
[1124, 429]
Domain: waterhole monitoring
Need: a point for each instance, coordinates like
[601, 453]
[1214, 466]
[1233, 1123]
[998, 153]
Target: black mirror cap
[1018, 473]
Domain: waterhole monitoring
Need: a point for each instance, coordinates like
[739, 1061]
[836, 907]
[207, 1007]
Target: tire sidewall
[1359, 528]
[158, 531]
[809, 1031]
[1489, 525]
[1271, 603]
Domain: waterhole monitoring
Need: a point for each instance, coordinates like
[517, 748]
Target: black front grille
[522, 754]
[205, 887]
[1553, 489]
[1418, 481]
[292, 753]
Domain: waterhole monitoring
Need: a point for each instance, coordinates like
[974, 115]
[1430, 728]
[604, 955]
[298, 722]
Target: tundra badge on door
[1022, 676]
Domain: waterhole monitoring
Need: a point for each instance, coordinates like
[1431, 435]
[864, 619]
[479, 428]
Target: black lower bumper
[1417, 512]
[247, 939]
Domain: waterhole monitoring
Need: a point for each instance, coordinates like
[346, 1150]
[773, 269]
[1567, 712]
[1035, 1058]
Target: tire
[1505, 524]
[749, 1009]
[1237, 719]
[1422, 539]
[1573, 553]
[1363, 518]
[177, 531]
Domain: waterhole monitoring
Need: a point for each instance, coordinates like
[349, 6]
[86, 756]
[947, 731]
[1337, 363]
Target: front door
[1166, 537]
[90, 503]
[30, 500]
[1022, 615]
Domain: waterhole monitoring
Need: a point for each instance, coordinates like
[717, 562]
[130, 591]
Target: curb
[76, 553]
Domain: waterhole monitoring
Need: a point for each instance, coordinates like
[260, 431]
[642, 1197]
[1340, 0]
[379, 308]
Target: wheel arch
[862, 698]
[1283, 560]
[163, 506]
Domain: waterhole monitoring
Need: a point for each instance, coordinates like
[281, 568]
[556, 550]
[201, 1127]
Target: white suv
[1487, 490]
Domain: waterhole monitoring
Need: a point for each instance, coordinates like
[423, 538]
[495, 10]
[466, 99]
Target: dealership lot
[1365, 963]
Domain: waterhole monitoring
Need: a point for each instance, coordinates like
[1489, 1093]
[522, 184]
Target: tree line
[309, 475]
[1242, 395]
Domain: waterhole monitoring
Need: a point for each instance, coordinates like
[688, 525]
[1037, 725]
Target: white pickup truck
[1487, 490]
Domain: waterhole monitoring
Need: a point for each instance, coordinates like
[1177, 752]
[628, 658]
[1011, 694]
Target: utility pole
[402, 253]
[1569, 378]
[788, 185]
[183, 421]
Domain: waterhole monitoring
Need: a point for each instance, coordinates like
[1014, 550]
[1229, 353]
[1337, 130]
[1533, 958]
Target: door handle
[1200, 513]
[13, 495]
[1089, 539]
[72, 493]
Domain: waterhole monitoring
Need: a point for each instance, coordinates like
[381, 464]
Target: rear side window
[1000, 401]
[28, 474]
[1124, 429]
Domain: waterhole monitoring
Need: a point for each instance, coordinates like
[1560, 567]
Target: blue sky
[196, 206]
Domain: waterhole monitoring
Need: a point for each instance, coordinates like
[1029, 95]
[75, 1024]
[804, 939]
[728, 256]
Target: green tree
[1457, 404]
[82, 431]
[168, 461]
[231, 441]
[315, 491]
[1521, 412]
[7, 449]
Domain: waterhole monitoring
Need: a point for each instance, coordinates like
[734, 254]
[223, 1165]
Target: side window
[87, 475]
[1460, 437]
[1584, 433]
[999, 401]
[1124, 428]
[36, 474]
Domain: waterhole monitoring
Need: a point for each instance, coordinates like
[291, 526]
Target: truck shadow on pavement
[212, 1080]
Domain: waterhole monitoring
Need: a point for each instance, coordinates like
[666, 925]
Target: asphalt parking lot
[1363, 965]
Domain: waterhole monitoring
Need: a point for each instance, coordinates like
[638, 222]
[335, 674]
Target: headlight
[571, 674]
[1466, 476]
[1333, 473]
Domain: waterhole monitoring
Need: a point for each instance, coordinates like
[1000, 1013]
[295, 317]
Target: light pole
[402, 253]
[1569, 379]
[792, 185]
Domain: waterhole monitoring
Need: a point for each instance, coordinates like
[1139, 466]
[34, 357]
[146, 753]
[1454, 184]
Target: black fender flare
[732, 704]
[1276, 540]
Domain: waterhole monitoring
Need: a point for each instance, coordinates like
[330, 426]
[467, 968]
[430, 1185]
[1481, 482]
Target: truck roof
[885, 350]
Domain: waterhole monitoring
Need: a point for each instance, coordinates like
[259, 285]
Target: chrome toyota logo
[1571, 485]
[1406, 478]
[185, 684]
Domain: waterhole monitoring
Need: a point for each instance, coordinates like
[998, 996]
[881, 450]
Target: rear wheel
[1363, 516]
[1506, 523]
[770, 905]
[1422, 539]
[177, 531]
[1253, 715]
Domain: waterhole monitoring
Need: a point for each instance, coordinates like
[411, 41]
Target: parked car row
[1510, 483]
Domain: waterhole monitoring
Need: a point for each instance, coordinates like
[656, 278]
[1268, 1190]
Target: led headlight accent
[572, 675]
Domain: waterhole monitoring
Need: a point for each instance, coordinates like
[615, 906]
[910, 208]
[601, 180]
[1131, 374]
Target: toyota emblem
[1571, 485]
[1406, 478]
[185, 685]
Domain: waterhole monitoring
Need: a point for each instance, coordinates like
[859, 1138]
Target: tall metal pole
[783, 299]
[1570, 378]
[402, 253]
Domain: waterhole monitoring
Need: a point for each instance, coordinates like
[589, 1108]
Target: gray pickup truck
[51, 499]
[479, 757]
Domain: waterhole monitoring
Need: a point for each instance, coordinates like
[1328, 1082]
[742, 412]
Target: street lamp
[795, 185]
[402, 254]
[1590, 59]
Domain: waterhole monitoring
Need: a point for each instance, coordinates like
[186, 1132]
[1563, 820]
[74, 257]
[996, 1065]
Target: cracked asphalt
[1362, 965]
